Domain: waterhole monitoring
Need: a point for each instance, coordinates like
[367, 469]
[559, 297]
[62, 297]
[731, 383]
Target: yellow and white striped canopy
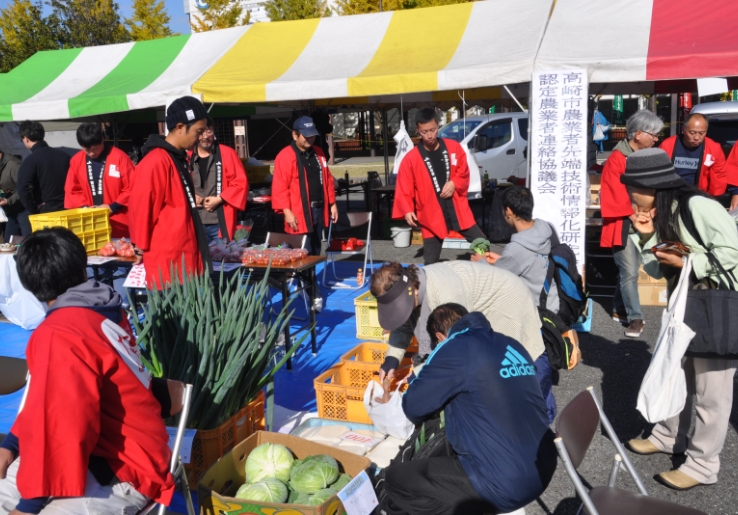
[462, 46]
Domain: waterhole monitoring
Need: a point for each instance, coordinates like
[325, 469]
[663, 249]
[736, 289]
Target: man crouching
[503, 455]
[89, 438]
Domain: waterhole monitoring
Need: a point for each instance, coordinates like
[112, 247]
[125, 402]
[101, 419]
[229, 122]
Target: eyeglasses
[654, 136]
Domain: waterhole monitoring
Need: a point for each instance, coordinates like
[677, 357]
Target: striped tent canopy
[422, 50]
[642, 40]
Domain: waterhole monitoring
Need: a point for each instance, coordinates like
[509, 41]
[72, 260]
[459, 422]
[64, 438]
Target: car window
[724, 132]
[458, 130]
[497, 133]
[523, 127]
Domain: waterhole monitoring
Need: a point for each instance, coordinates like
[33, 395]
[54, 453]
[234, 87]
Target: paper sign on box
[358, 497]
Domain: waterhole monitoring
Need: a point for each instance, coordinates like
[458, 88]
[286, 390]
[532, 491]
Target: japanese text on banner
[558, 179]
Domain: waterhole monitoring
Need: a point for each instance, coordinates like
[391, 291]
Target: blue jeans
[543, 374]
[212, 231]
[626, 299]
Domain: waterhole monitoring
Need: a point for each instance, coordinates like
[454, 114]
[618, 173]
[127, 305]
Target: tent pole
[385, 133]
[516, 100]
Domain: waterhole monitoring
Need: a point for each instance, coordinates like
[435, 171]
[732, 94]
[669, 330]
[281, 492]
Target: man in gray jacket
[527, 253]
[9, 200]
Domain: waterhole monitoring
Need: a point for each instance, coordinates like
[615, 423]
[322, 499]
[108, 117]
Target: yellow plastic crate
[339, 392]
[90, 224]
[367, 318]
[372, 352]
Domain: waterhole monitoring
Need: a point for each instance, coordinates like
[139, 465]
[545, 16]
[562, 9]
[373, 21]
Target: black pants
[433, 486]
[17, 225]
[432, 246]
[315, 238]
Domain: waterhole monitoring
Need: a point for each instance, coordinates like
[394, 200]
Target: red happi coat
[731, 166]
[235, 186]
[160, 220]
[615, 202]
[88, 394]
[713, 176]
[415, 193]
[117, 178]
[286, 188]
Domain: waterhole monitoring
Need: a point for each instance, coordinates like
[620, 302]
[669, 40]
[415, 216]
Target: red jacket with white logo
[415, 193]
[117, 178]
[286, 188]
[713, 177]
[88, 394]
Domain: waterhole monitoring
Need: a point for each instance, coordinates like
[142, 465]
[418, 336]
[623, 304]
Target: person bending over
[90, 438]
[496, 423]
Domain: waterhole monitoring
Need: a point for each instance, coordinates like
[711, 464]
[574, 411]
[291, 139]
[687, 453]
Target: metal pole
[385, 137]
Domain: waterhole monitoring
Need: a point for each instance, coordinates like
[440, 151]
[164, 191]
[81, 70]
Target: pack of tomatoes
[120, 248]
[346, 244]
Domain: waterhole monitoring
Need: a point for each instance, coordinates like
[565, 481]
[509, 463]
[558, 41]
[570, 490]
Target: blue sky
[175, 8]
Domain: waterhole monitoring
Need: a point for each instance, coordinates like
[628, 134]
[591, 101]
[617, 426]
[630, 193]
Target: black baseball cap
[306, 126]
[395, 307]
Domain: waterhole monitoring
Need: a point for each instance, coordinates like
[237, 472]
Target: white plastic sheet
[16, 303]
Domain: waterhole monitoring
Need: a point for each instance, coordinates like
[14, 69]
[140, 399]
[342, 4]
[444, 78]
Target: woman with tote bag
[672, 219]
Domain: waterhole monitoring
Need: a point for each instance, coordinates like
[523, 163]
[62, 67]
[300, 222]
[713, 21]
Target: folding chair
[576, 428]
[351, 221]
[180, 395]
[13, 374]
[295, 241]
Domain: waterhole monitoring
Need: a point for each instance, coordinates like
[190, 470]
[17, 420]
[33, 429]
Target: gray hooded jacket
[527, 257]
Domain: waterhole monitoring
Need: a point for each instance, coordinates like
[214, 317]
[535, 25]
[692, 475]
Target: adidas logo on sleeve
[515, 365]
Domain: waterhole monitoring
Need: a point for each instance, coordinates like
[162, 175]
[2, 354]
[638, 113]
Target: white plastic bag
[3, 216]
[16, 303]
[388, 418]
[663, 391]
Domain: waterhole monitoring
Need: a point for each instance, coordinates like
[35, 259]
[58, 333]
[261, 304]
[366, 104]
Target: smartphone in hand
[672, 246]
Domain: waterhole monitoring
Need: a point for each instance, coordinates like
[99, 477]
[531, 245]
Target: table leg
[285, 298]
[313, 330]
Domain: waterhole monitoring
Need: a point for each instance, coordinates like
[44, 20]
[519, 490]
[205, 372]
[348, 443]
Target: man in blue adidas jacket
[496, 423]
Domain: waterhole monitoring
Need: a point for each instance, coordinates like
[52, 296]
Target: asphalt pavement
[614, 365]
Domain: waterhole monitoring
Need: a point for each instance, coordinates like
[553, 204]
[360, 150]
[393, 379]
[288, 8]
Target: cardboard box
[417, 238]
[224, 478]
[651, 292]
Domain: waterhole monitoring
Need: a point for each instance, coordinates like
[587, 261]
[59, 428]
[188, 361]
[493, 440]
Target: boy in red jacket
[100, 175]
[431, 188]
[90, 431]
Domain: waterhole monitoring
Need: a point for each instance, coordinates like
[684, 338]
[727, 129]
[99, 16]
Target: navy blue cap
[306, 126]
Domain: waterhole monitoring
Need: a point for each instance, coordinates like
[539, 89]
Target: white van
[498, 142]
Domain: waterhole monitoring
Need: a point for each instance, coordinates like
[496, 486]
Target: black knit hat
[185, 110]
[651, 169]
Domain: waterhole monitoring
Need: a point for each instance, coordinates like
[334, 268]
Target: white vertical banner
[558, 155]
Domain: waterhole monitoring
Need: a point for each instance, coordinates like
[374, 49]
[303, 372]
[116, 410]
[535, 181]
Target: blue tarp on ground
[293, 389]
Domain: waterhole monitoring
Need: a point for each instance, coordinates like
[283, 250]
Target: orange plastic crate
[373, 352]
[340, 390]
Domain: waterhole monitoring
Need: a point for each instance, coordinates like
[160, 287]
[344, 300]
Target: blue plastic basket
[584, 324]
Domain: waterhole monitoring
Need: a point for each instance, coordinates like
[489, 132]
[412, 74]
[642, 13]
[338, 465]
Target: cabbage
[270, 490]
[301, 499]
[313, 473]
[321, 496]
[269, 460]
[342, 481]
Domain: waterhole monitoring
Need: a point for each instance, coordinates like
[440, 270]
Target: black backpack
[558, 348]
[562, 268]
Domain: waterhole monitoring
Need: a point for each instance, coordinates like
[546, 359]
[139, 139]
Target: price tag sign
[367, 441]
[186, 448]
[358, 496]
[239, 130]
[136, 277]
